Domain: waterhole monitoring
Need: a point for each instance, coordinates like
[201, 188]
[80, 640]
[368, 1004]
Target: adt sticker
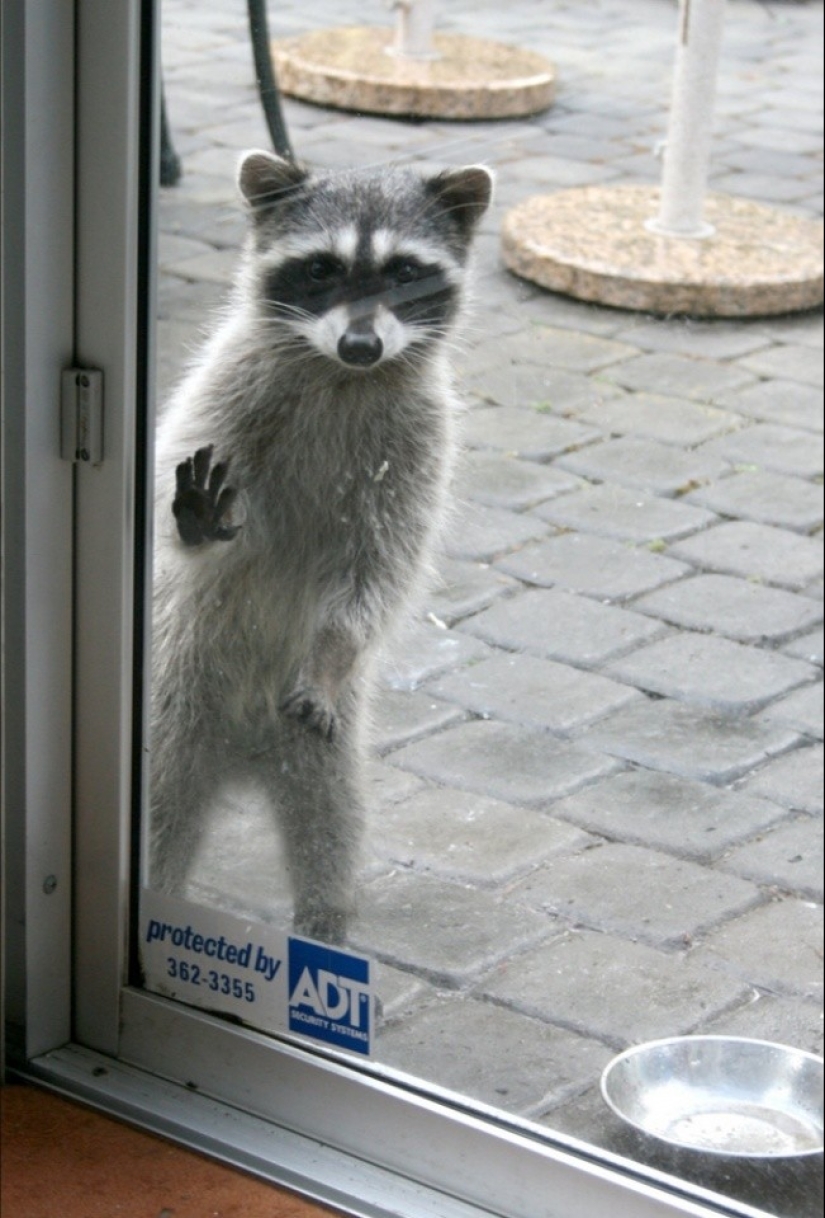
[329, 995]
[259, 974]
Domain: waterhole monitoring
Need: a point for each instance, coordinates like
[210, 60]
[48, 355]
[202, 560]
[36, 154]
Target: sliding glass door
[437, 1052]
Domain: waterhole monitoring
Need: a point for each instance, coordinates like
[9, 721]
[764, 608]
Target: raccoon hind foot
[202, 504]
[311, 707]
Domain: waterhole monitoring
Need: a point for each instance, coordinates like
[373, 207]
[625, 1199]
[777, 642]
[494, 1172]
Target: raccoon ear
[264, 179]
[464, 193]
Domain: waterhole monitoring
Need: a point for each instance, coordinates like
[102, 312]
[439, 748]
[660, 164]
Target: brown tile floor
[59, 1160]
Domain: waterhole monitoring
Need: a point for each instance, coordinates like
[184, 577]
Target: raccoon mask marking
[361, 269]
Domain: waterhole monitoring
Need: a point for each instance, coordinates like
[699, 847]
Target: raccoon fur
[301, 473]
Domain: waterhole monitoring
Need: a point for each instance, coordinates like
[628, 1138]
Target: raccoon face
[361, 267]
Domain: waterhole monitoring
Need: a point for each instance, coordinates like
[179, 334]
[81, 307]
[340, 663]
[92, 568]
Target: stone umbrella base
[470, 78]
[592, 243]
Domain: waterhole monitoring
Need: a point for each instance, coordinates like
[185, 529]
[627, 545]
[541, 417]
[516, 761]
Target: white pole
[414, 31]
[687, 151]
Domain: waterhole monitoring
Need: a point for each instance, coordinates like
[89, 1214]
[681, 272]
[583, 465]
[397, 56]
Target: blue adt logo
[329, 995]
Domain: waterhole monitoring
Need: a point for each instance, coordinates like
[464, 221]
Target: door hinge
[81, 415]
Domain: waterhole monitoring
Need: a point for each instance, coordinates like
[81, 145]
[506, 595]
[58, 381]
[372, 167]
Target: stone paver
[761, 187]
[764, 496]
[679, 376]
[711, 672]
[691, 820]
[794, 362]
[686, 336]
[788, 857]
[597, 566]
[794, 781]
[808, 647]
[607, 987]
[553, 348]
[447, 933]
[802, 711]
[614, 511]
[640, 894]
[671, 420]
[777, 948]
[173, 248]
[536, 387]
[500, 480]
[400, 716]
[635, 462]
[461, 588]
[426, 649]
[532, 434]
[785, 403]
[560, 626]
[737, 608]
[754, 552]
[484, 533]
[388, 785]
[689, 336]
[399, 990]
[786, 450]
[689, 741]
[671, 466]
[534, 1064]
[504, 760]
[468, 838]
[572, 315]
[802, 328]
[777, 1020]
[533, 692]
[215, 265]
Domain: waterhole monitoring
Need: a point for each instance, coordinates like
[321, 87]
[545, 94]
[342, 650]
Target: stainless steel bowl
[721, 1095]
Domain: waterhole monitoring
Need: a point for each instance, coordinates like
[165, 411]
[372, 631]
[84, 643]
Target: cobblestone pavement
[598, 807]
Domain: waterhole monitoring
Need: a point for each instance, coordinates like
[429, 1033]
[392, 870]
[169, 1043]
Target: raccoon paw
[310, 706]
[202, 503]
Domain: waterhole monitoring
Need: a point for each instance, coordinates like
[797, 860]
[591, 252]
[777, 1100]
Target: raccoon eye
[403, 270]
[324, 267]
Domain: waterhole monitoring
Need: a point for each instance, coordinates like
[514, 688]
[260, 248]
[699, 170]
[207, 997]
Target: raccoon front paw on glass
[202, 505]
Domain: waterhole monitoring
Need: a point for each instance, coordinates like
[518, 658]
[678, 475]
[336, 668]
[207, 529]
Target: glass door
[365, 897]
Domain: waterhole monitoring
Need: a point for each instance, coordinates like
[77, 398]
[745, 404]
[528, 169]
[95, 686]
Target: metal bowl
[721, 1095]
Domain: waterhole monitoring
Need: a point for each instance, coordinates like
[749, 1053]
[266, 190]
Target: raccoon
[305, 458]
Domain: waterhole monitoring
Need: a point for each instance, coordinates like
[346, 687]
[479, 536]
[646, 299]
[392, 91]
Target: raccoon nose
[360, 347]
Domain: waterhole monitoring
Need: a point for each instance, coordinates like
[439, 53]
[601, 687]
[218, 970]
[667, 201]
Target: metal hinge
[81, 415]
